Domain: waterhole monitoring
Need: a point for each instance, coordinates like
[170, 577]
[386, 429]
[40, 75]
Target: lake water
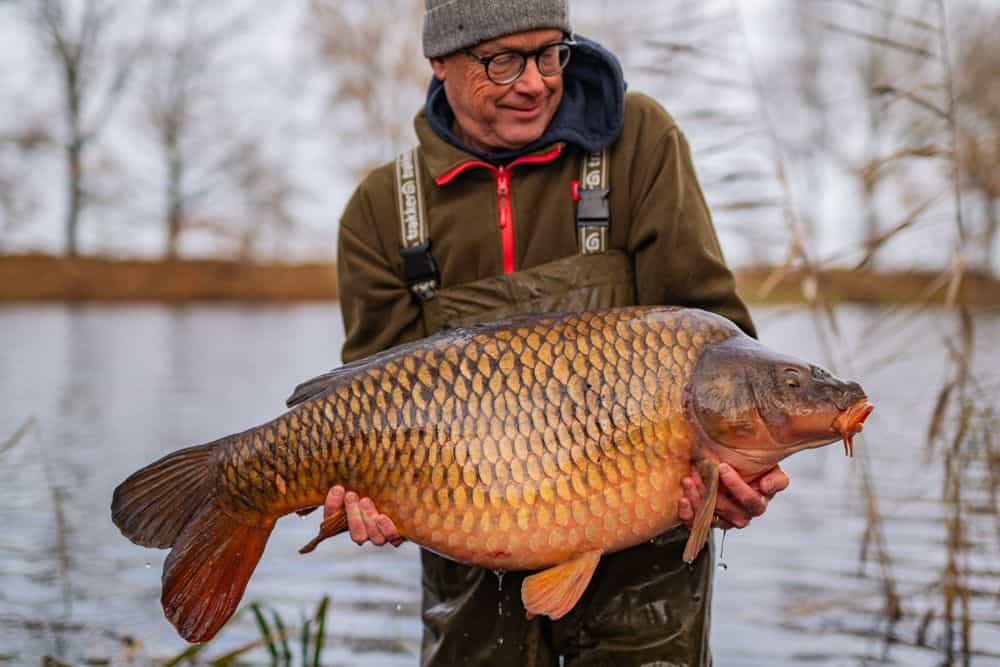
[106, 390]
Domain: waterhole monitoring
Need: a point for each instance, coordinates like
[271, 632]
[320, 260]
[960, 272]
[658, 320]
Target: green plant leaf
[320, 628]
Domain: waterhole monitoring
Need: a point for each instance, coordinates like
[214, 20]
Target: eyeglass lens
[507, 67]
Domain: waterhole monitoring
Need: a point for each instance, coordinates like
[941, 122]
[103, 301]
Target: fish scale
[545, 441]
[494, 429]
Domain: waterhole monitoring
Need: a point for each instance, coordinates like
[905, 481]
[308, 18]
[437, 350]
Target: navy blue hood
[590, 114]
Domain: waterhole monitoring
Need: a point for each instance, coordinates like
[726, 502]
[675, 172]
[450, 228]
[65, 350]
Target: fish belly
[521, 536]
[511, 446]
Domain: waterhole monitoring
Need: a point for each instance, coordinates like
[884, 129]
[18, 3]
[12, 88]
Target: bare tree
[696, 59]
[372, 69]
[267, 192]
[892, 57]
[812, 151]
[79, 37]
[978, 101]
[17, 148]
[179, 100]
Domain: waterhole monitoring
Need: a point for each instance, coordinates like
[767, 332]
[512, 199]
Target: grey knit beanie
[450, 25]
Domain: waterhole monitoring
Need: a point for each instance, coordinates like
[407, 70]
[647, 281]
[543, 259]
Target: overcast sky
[282, 97]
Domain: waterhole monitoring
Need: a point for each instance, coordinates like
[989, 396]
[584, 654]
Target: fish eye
[792, 378]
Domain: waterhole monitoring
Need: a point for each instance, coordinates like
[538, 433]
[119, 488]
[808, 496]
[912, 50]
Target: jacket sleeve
[375, 302]
[677, 256]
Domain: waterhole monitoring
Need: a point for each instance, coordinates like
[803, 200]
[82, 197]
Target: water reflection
[113, 388]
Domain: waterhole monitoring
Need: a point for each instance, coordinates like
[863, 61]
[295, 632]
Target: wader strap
[419, 268]
[593, 215]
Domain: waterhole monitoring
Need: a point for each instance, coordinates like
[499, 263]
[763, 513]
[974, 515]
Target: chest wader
[644, 606]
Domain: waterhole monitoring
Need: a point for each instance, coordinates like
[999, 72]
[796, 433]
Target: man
[538, 185]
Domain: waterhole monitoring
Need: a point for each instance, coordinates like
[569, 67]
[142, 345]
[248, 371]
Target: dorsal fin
[323, 383]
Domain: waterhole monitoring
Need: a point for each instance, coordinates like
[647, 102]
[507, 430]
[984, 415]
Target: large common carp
[536, 443]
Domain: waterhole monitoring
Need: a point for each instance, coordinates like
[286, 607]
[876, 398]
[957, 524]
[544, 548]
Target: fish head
[764, 405]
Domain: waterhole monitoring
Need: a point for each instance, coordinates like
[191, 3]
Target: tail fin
[172, 503]
[153, 506]
[207, 571]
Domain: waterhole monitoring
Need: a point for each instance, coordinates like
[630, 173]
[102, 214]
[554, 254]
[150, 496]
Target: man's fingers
[684, 512]
[731, 513]
[389, 530]
[699, 483]
[334, 501]
[355, 522]
[369, 515]
[773, 482]
[753, 502]
[692, 493]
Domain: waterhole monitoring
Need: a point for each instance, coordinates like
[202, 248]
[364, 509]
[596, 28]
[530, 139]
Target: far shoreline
[40, 278]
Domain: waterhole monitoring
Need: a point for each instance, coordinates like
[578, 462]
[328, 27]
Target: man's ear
[437, 64]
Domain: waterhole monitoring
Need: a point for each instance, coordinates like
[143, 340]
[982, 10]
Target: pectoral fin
[702, 526]
[335, 524]
[553, 592]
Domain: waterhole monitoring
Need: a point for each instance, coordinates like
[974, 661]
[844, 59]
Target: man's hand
[363, 520]
[738, 502]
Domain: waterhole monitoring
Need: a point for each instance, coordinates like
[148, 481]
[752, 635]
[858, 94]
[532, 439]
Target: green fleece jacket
[658, 218]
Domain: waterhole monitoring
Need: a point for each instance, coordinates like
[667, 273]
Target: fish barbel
[537, 443]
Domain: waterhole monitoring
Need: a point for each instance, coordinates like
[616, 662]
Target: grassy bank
[26, 278]
[29, 278]
[769, 285]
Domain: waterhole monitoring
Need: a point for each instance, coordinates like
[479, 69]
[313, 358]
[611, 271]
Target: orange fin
[172, 503]
[702, 526]
[207, 571]
[553, 592]
[335, 524]
[154, 505]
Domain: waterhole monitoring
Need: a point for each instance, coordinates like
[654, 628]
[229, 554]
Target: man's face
[493, 117]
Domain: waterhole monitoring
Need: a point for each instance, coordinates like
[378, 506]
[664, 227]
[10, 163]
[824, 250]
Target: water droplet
[562, 661]
[722, 551]
[499, 574]
[399, 607]
[500, 641]
[148, 565]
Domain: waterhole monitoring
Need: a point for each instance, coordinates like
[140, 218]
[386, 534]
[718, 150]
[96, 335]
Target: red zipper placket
[506, 217]
[505, 213]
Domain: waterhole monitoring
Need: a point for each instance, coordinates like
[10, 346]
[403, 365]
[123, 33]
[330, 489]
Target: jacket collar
[590, 114]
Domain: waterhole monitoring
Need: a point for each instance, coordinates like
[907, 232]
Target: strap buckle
[592, 209]
[420, 270]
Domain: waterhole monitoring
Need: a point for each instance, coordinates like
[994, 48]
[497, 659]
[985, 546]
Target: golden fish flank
[542, 442]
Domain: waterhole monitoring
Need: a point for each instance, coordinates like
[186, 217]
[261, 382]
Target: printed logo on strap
[419, 268]
[592, 213]
[411, 204]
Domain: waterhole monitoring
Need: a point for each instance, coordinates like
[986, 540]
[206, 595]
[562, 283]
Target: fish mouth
[851, 421]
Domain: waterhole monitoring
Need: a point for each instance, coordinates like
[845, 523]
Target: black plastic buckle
[592, 209]
[420, 269]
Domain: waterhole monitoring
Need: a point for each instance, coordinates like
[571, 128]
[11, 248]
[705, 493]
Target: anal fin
[553, 592]
[702, 525]
[335, 524]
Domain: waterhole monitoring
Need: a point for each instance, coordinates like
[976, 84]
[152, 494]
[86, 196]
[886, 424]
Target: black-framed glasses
[507, 66]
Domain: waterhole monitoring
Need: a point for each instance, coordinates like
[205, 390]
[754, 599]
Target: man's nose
[530, 82]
